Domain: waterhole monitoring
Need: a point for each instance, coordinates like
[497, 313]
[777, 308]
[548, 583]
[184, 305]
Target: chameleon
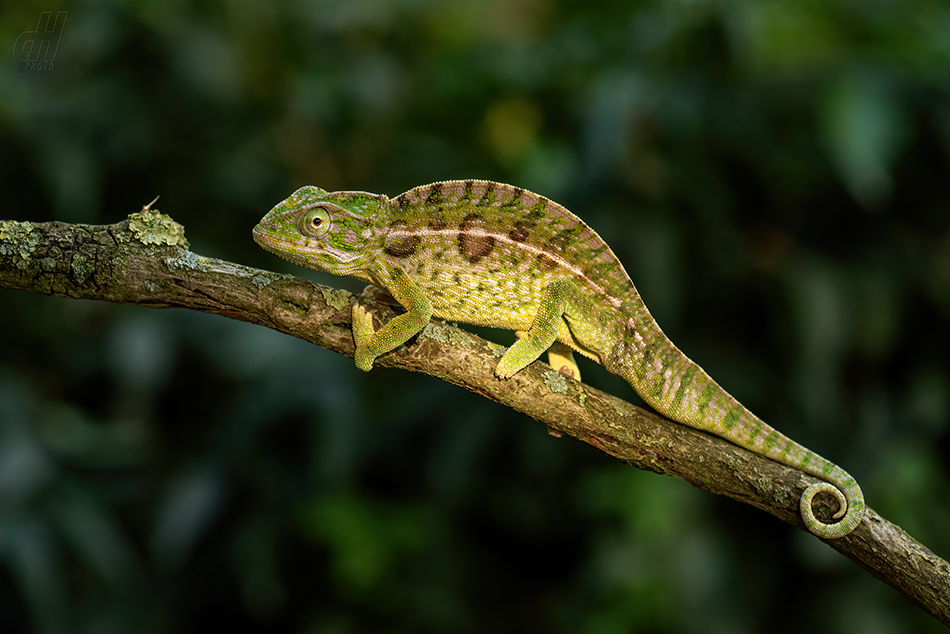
[490, 254]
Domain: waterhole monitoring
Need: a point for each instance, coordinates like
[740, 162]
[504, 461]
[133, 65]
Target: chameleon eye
[316, 223]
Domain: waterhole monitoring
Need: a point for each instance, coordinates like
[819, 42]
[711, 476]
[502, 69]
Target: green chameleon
[490, 254]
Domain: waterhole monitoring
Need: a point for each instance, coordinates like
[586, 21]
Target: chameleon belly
[490, 254]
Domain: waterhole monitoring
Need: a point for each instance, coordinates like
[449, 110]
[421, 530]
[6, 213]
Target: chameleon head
[327, 231]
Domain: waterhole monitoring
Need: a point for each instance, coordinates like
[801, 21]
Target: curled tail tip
[850, 510]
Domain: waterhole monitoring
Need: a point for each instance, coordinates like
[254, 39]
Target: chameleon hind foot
[560, 358]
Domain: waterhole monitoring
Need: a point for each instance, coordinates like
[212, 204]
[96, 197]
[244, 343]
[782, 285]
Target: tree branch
[145, 260]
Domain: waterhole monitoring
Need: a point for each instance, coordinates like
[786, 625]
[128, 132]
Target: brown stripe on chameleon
[520, 231]
[403, 247]
[546, 262]
[469, 192]
[566, 237]
[455, 191]
[475, 192]
[488, 193]
[435, 198]
[539, 208]
[436, 224]
[509, 202]
[474, 247]
[522, 202]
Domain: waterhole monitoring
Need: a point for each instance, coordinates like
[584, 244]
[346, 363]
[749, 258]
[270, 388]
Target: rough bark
[145, 260]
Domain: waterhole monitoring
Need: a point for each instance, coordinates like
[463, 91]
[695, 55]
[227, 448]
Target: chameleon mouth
[269, 243]
[300, 253]
[260, 236]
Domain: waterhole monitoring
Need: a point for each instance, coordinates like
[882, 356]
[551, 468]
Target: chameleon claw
[363, 329]
[502, 373]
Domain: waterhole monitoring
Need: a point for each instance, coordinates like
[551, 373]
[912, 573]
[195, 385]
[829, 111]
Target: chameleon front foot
[363, 333]
[371, 343]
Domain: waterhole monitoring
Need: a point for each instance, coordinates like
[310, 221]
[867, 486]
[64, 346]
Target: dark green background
[773, 174]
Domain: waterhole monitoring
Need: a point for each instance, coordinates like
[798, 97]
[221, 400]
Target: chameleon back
[484, 251]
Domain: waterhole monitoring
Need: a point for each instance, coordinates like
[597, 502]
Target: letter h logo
[39, 52]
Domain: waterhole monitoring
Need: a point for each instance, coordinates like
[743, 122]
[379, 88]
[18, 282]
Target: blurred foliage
[772, 174]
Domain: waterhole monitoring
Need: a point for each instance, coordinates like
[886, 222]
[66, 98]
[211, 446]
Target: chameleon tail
[837, 482]
[849, 496]
[676, 387]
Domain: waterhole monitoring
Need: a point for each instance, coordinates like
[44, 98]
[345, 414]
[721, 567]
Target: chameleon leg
[369, 343]
[560, 358]
[544, 329]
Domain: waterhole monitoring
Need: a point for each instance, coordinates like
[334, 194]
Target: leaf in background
[863, 126]
[189, 507]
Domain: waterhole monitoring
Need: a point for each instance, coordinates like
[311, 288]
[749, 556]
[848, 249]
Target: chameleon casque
[485, 253]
